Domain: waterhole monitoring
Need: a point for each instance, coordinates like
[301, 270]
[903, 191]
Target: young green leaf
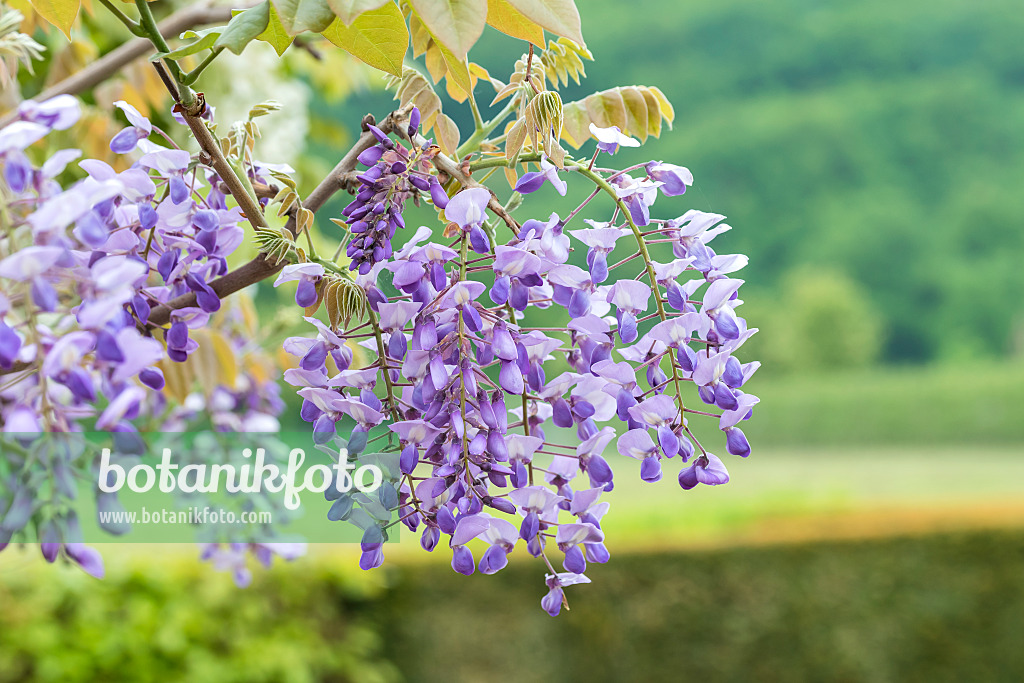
[245, 27]
[60, 13]
[378, 37]
[558, 16]
[348, 10]
[455, 23]
[563, 59]
[276, 34]
[304, 15]
[201, 40]
[510, 21]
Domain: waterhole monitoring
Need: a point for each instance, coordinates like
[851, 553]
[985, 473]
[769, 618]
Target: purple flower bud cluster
[474, 395]
[394, 174]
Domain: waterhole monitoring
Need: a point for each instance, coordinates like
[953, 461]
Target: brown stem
[447, 165]
[213, 156]
[259, 268]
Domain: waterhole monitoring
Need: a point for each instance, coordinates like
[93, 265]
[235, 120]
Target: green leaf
[276, 35]
[510, 21]
[245, 27]
[348, 10]
[455, 23]
[378, 37]
[304, 15]
[203, 40]
[558, 16]
[60, 13]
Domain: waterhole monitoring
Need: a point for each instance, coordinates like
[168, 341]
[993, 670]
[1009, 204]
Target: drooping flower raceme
[471, 394]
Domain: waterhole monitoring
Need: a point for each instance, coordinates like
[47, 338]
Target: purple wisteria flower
[128, 138]
[515, 272]
[307, 275]
[610, 139]
[395, 173]
[601, 241]
[532, 181]
[468, 210]
[674, 179]
[630, 299]
[97, 257]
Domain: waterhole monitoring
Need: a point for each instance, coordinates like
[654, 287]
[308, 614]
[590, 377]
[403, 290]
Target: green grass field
[790, 495]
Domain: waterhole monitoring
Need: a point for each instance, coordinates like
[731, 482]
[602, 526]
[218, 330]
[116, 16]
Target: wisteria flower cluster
[484, 366]
[469, 389]
[81, 270]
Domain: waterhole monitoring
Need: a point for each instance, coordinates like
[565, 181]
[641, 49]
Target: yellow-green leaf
[457, 70]
[653, 113]
[606, 108]
[636, 113]
[447, 134]
[435, 63]
[304, 15]
[378, 37]
[666, 107]
[515, 140]
[575, 124]
[348, 10]
[60, 13]
[455, 23]
[276, 35]
[637, 110]
[510, 21]
[558, 16]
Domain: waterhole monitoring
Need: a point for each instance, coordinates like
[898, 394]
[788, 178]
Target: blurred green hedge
[169, 618]
[940, 608]
[945, 608]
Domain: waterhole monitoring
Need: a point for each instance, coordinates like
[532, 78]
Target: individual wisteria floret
[472, 395]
